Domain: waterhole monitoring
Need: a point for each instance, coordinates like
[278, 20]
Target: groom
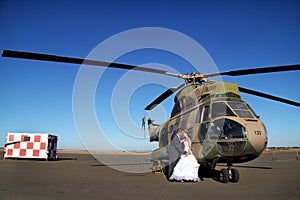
[176, 149]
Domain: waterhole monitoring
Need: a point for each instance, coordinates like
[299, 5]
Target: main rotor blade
[268, 96]
[70, 60]
[256, 71]
[163, 96]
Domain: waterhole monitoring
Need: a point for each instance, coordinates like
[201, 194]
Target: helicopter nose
[231, 137]
[257, 136]
[231, 148]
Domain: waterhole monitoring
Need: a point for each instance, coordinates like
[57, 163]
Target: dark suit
[176, 149]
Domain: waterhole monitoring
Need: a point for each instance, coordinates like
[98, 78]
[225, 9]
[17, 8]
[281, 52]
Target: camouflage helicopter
[222, 127]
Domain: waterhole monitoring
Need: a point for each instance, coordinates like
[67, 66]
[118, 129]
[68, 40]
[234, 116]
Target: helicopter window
[171, 129]
[205, 118]
[241, 109]
[164, 137]
[235, 105]
[199, 114]
[244, 113]
[226, 129]
[175, 127]
[220, 109]
[206, 114]
[203, 131]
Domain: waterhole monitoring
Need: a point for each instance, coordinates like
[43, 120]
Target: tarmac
[274, 175]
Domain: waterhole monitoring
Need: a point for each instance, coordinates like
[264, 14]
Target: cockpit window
[241, 109]
[220, 109]
[235, 105]
[226, 129]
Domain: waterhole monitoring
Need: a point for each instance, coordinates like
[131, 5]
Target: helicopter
[222, 127]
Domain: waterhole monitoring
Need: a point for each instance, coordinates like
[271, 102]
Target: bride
[187, 167]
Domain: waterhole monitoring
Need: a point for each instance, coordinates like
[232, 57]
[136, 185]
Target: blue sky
[37, 96]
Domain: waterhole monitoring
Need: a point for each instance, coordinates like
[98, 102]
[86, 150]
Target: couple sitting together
[183, 165]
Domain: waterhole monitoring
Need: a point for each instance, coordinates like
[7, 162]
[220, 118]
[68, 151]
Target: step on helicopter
[222, 127]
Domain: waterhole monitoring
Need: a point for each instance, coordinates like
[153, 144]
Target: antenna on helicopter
[144, 125]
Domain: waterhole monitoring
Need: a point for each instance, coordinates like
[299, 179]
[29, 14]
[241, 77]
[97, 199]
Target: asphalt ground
[274, 175]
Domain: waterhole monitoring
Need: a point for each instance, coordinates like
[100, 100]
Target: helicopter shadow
[214, 174]
[249, 167]
[118, 164]
[206, 172]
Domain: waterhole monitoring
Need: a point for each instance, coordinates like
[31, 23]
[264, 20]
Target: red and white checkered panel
[22, 145]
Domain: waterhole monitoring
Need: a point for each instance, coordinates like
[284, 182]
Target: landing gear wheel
[224, 176]
[234, 176]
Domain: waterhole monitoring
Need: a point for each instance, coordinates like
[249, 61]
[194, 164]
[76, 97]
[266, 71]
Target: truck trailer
[31, 146]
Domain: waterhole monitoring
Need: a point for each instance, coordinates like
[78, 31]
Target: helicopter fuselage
[222, 127]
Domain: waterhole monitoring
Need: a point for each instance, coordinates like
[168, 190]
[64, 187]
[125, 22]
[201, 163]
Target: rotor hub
[194, 78]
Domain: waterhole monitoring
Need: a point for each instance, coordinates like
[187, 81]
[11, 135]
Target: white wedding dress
[187, 167]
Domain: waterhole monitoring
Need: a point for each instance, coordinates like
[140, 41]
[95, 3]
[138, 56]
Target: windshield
[241, 109]
[226, 129]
